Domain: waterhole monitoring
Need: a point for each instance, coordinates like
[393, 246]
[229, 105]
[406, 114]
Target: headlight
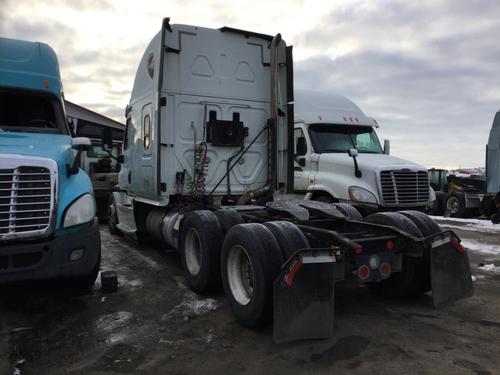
[80, 211]
[361, 195]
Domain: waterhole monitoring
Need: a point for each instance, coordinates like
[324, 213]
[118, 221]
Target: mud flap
[304, 297]
[450, 271]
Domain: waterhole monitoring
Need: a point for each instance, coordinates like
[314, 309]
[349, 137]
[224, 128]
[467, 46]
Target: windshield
[339, 138]
[97, 152]
[27, 111]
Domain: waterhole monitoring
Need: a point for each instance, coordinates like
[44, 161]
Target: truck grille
[404, 187]
[26, 201]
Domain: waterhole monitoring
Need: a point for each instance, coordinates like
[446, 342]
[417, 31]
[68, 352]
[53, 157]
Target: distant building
[87, 123]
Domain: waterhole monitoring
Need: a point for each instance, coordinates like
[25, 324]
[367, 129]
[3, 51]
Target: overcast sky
[428, 71]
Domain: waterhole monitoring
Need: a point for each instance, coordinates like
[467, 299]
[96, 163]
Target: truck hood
[367, 162]
[53, 146]
[336, 172]
[58, 148]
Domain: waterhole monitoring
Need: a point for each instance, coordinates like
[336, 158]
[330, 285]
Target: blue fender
[70, 189]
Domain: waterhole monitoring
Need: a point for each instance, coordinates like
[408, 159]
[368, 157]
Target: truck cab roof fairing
[327, 107]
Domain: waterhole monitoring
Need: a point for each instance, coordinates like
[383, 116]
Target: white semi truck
[338, 158]
[205, 153]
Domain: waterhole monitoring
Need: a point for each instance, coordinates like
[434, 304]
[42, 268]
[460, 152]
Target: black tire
[228, 218]
[255, 245]
[289, 237]
[112, 217]
[495, 218]
[428, 227]
[407, 282]
[455, 204]
[349, 210]
[200, 247]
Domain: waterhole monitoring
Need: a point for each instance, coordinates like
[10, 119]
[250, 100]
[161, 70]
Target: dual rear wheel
[415, 276]
[247, 258]
[244, 258]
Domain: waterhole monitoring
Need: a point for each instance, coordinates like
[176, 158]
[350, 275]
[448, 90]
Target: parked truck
[458, 193]
[48, 228]
[339, 158]
[102, 168]
[490, 201]
[99, 163]
[208, 169]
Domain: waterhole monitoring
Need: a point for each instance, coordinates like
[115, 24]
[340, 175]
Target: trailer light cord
[267, 126]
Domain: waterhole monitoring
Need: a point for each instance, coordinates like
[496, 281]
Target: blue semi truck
[48, 228]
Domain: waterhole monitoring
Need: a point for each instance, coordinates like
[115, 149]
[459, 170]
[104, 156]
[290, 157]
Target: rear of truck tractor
[281, 263]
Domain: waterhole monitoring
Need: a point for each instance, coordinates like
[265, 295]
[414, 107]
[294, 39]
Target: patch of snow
[481, 247]
[110, 322]
[473, 278]
[135, 283]
[201, 306]
[103, 299]
[209, 338]
[476, 225]
[192, 304]
[490, 268]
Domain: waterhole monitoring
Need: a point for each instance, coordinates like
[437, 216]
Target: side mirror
[301, 146]
[302, 162]
[120, 159]
[107, 139]
[387, 147]
[81, 144]
[353, 153]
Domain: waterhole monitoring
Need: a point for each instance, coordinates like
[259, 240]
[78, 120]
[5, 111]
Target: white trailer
[205, 154]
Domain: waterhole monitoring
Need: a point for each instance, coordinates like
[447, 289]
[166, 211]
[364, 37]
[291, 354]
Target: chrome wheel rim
[240, 275]
[192, 251]
[453, 205]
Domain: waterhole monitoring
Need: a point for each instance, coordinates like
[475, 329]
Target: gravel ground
[154, 324]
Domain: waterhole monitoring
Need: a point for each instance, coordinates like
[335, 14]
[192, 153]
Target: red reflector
[358, 250]
[290, 275]
[390, 245]
[46, 83]
[385, 269]
[458, 247]
[363, 272]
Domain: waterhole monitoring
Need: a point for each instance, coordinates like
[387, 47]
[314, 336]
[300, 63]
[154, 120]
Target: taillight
[458, 247]
[390, 245]
[358, 250]
[385, 269]
[363, 272]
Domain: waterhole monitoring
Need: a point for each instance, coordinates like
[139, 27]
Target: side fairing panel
[493, 157]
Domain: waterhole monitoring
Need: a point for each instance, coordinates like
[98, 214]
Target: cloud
[426, 70]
